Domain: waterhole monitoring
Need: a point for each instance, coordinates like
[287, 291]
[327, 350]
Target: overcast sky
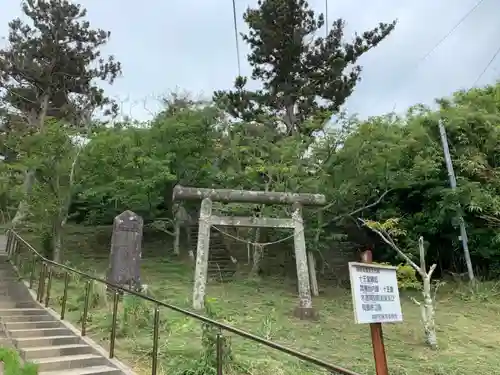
[189, 45]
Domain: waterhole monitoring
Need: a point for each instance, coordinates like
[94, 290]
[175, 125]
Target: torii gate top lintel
[184, 193]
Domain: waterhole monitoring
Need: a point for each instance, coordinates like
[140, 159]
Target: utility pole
[453, 185]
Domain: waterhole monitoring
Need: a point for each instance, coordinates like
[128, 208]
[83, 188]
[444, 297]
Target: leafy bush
[12, 363]
[407, 277]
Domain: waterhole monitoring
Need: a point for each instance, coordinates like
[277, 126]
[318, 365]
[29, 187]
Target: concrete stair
[220, 266]
[43, 339]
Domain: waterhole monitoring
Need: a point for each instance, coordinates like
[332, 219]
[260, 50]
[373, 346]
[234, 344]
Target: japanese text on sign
[375, 293]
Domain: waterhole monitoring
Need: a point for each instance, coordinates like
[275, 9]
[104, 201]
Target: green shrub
[407, 276]
[12, 363]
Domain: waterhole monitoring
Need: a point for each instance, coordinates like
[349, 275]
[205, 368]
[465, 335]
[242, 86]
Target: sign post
[375, 298]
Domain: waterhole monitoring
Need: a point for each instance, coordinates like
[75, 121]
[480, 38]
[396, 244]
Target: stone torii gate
[304, 310]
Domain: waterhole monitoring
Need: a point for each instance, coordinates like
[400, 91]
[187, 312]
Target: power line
[326, 17]
[487, 66]
[447, 35]
[452, 30]
[236, 38]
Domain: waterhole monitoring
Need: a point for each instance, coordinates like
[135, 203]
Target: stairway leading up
[40, 337]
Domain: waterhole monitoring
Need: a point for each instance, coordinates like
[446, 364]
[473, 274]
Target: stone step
[22, 311]
[42, 338]
[27, 318]
[69, 362]
[11, 284]
[12, 295]
[12, 304]
[32, 324]
[10, 280]
[37, 352]
[40, 332]
[30, 342]
[6, 271]
[94, 370]
[13, 290]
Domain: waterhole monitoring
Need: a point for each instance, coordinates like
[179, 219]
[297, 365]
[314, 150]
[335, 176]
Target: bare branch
[415, 301]
[438, 284]
[161, 226]
[358, 210]
[422, 253]
[490, 219]
[431, 270]
[386, 238]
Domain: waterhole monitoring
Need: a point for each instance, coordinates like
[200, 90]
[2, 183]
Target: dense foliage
[13, 365]
[383, 167]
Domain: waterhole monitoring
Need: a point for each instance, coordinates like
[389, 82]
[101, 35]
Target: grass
[468, 329]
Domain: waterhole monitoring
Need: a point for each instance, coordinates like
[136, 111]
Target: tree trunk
[57, 240]
[23, 208]
[29, 179]
[257, 258]
[67, 201]
[257, 253]
[189, 239]
[428, 313]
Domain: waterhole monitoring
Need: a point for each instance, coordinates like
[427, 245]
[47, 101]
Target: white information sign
[375, 294]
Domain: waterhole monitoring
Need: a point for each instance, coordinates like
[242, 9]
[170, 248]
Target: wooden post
[381, 367]
[181, 222]
[312, 273]
[177, 237]
[202, 249]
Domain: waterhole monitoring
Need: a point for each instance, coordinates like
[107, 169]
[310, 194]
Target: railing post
[15, 249]
[41, 282]
[65, 295]
[17, 257]
[49, 285]
[219, 353]
[32, 273]
[86, 307]
[10, 245]
[112, 339]
[9, 240]
[12, 250]
[156, 337]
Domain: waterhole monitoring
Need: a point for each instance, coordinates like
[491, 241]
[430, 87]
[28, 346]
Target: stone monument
[125, 256]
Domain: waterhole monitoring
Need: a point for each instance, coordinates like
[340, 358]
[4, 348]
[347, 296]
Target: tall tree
[305, 78]
[49, 69]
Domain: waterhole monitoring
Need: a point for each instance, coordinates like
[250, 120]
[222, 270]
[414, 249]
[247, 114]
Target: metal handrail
[12, 247]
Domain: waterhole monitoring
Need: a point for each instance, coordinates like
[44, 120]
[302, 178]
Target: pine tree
[305, 78]
[50, 68]
[51, 62]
